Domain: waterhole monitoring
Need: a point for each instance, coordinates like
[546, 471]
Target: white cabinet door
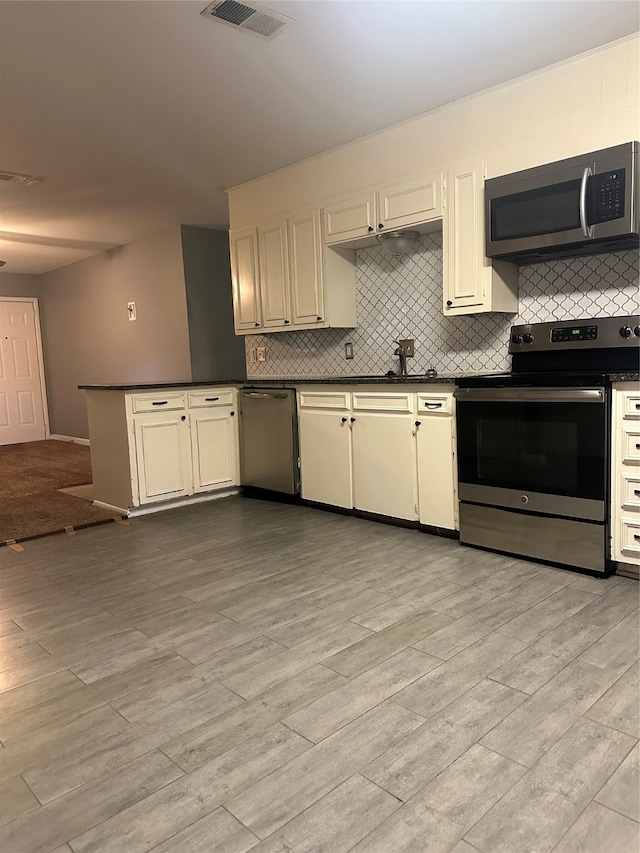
[306, 268]
[274, 274]
[347, 220]
[325, 457]
[214, 448]
[243, 247]
[163, 455]
[384, 464]
[471, 282]
[436, 471]
[411, 202]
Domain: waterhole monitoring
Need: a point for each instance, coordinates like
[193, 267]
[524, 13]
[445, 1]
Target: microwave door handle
[587, 229]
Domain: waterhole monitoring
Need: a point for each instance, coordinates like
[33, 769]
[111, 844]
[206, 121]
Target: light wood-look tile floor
[242, 675]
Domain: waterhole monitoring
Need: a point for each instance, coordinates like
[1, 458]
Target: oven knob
[625, 331]
[636, 331]
[516, 339]
[527, 338]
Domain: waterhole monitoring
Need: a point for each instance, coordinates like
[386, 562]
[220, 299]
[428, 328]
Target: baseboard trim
[71, 438]
[148, 509]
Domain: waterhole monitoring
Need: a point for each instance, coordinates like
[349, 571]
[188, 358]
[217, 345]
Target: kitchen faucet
[401, 352]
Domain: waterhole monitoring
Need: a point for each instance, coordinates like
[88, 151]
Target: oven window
[553, 448]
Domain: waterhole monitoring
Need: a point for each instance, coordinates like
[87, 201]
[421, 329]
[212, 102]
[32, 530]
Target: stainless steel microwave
[582, 206]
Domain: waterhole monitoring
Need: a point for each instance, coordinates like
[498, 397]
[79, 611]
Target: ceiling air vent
[248, 16]
[18, 178]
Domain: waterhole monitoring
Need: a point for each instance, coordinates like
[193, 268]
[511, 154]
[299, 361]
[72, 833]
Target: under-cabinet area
[387, 452]
[171, 443]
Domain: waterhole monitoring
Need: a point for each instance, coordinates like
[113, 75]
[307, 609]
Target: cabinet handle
[449, 303]
[232, 413]
[370, 228]
[433, 405]
[417, 423]
[211, 399]
[183, 418]
[352, 420]
[160, 403]
[344, 420]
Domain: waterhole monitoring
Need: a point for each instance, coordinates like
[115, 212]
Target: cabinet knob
[417, 423]
[344, 420]
[232, 413]
[449, 303]
[286, 322]
[380, 225]
[319, 318]
[370, 228]
[183, 418]
[257, 325]
[352, 420]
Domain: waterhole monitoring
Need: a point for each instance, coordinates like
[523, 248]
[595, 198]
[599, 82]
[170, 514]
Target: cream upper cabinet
[306, 268]
[274, 274]
[472, 283]
[350, 219]
[285, 279]
[400, 205]
[243, 249]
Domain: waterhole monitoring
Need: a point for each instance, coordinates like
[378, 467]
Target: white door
[325, 457]
[22, 414]
[163, 456]
[214, 448]
[384, 464]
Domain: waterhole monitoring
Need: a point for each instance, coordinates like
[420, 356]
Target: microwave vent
[253, 17]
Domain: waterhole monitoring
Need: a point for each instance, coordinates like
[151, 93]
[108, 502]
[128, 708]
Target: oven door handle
[530, 395]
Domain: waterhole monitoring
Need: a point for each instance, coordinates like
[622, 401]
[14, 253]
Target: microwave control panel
[607, 196]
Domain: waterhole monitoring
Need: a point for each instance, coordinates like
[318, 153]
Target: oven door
[538, 450]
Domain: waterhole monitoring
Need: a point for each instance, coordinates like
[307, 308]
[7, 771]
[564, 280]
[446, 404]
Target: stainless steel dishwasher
[269, 439]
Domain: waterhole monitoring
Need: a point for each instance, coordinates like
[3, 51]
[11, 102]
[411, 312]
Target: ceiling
[141, 114]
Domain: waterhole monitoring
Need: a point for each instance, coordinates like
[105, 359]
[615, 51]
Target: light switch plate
[131, 308]
[348, 350]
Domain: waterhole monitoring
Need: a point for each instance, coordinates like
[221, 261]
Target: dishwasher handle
[265, 395]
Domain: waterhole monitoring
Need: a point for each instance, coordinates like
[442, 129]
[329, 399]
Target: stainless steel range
[534, 445]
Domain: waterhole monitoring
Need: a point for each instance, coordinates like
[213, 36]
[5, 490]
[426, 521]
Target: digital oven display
[574, 333]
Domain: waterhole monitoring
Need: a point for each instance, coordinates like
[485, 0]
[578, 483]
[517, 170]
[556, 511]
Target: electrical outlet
[131, 308]
[261, 353]
[348, 350]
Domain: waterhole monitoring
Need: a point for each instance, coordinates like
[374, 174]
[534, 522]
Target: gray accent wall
[15, 284]
[216, 351]
[88, 338]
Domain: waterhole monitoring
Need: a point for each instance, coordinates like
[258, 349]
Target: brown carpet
[30, 475]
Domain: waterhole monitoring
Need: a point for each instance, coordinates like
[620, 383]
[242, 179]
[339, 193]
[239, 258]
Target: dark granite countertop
[282, 382]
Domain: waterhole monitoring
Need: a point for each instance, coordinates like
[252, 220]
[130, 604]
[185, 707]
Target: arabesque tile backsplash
[402, 297]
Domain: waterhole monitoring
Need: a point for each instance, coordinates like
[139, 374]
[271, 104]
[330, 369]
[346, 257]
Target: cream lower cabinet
[437, 478]
[471, 282]
[155, 446]
[384, 454]
[625, 474]
[376, 451]
[326, 473]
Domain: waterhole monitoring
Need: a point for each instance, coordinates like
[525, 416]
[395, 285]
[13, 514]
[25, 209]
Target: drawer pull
[637, 446]
[160, 402]
[636, 492]
[433, 405]
[636, 536]
[637, 405]
[211, 399]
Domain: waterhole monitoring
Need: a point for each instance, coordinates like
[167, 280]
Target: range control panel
[574, 333]
[596, 333]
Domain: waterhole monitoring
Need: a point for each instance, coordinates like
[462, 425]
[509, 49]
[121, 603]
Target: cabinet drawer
[158, 402]
[630, 440]
[382, 402]
[630, 536]
[435, 404]
[630, 404]
[213, 397]
[630, 490]
[323, 400]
